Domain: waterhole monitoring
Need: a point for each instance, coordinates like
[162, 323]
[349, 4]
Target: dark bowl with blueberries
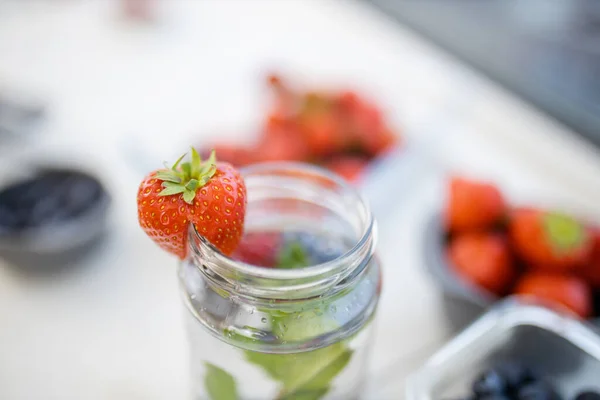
[518, 350]
[51, 217]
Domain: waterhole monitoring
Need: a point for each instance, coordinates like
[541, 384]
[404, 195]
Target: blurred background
[399, 97]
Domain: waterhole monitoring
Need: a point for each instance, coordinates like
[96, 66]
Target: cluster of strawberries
[340, 131]
[528, 251]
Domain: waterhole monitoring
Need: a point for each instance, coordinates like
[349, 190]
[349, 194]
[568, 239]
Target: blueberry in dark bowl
[52, 212]
[588, 395]
[538, 390]
[514, 374]
[494, 397]
[490, 383]
[9, 219]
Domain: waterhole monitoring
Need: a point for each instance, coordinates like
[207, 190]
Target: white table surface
[112, 327]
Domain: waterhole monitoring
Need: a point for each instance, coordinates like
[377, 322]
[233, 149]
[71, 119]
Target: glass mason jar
[303, 333]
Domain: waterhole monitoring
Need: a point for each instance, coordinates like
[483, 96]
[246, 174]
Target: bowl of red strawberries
[480, 249]
[339, 130]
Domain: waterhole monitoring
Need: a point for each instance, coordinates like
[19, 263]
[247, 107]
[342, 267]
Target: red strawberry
[349, 167]
[260, 248]
[473, 205]
[322, 134]
[365, 124]
[210, 195]
[483, 259]
[281, 142]
[569, 291]
[286, 101]
[591, 271]
[348, 101]
[549, 240]
[320, 124]
[379, 142]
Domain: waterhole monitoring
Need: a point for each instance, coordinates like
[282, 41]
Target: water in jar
[314, 350]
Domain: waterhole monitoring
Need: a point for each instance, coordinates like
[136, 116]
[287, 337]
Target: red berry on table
[473, 205]
[549, 241]
[210, 195]
[349, 167]
[569, 291]
[483, 259]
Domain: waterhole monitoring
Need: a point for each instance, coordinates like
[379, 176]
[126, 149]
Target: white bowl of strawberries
[481, 249]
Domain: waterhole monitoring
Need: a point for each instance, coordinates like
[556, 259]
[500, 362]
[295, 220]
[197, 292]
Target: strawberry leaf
[188, 196]
[171, 190]
[187, 177]
[174, 167]
[192, 185]
[186, 167]
[196, 163]
[210, 162]
[168, 176]
[172, 184]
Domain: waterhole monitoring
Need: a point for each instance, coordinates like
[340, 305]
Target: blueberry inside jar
[289, 314]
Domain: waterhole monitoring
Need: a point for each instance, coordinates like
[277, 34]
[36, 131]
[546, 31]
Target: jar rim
[361, 249]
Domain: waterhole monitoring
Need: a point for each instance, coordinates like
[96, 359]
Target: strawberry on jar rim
[210, 195]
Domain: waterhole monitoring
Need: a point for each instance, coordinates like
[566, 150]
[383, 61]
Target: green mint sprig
[303, 376]
[220, 385]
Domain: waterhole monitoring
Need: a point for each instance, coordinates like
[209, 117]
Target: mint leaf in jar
[219, 384]
[304, 375]
[293, 255]
[306, 395]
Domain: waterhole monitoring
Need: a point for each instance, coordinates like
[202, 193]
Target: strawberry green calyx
[187, 177]
[564, 233]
